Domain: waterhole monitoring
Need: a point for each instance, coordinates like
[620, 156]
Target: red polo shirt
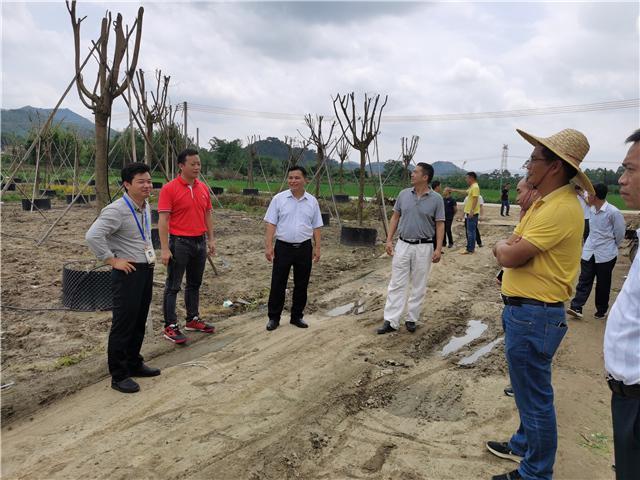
[188, 205]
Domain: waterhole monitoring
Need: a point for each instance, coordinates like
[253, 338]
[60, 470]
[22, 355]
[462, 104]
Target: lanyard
[136, 218]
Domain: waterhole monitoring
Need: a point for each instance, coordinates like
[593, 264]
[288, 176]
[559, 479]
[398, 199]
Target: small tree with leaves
[409, 147]
[321, 143]
[150, 112]
[108, 85]
[359, 130]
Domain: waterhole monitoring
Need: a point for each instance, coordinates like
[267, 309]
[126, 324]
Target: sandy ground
[332, 401]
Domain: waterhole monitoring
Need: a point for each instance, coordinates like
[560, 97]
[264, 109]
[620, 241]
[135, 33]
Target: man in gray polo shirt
[121, 237]
[418, 215]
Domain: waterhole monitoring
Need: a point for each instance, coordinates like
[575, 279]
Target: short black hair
[472, 175]
[634, 137]
[187, 152]
[427, 169]
[300, 168]
[133, 169]
[601, 191]
[435, 184]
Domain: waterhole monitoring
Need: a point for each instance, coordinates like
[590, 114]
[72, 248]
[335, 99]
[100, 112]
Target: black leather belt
[195, 239]
[519, 301]
[417, 240]
[619, 388]
[294, 245]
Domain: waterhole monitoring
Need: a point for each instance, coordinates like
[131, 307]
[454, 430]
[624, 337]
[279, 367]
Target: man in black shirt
[450, 209]
[505, 200]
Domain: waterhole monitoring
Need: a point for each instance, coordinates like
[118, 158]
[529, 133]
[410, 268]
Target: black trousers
[625, 413]
[590, 270]
[189, 254]
[504, 207]
[585, 233]
[131, 299]
[286, 257]
[447, 231]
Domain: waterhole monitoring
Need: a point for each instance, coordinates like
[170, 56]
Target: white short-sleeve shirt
[294, 218]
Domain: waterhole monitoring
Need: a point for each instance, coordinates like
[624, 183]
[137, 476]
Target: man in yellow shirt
[471, 210]
[541, 261]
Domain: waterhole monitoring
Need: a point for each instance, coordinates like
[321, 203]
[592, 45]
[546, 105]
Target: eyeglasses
[531, 160]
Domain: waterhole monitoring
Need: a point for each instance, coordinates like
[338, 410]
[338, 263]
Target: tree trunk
[341, 175]
[363, 163]
[102, 162]
[76, 168]
[147, 147]
[319, 159]
[250, 172]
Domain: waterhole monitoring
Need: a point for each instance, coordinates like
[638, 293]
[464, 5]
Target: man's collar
[184, 182]
[429, 190]
[556, 193]
[133, 202]
[304, 194]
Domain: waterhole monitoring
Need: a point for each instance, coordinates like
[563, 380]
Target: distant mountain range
[20, 121]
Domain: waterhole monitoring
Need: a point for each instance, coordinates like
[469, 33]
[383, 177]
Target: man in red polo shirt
[186, 238]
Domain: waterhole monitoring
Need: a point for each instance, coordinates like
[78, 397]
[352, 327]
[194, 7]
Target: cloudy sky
[429, 58]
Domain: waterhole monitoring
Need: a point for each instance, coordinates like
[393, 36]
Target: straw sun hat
[571, 146]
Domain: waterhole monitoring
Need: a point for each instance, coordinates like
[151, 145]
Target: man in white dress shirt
[599, 253]
[293, 217]
[622, 340]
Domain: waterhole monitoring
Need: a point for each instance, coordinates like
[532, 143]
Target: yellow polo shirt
[472, 191]
[553, 224]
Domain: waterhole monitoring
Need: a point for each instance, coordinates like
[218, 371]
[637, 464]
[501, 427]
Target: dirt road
[333, 401]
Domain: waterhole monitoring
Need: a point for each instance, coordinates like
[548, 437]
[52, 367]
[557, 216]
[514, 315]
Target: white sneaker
[574, 312]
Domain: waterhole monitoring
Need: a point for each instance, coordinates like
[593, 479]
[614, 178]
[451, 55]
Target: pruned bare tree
[359, 129]
[295, 150]
[150, 112]
[409, 147]
[320, 141]
[253, 156]
[342, 149]
[108, 85]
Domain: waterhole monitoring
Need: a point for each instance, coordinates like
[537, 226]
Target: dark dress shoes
[272, 324]
[299, 323]
[145, 371]
[385, 328]
[411, 326]
[128, 385]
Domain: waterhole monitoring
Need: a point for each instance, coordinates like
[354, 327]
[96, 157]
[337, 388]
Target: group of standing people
[540, 262]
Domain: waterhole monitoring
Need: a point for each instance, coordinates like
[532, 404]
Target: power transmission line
[587, 107]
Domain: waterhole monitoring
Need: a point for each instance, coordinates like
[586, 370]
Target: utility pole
[198, 138]
[186, 138]
[503, 163]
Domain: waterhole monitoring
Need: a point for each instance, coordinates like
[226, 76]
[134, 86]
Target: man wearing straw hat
[541, 261]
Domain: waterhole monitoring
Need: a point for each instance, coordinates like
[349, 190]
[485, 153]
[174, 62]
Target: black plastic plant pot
[62, 181]
[92, 198]
[48, 193]
[155, 216]
[358, 236]
[18, 180]
[250, 191]
[155, 238]
[80, 199]
[10, 188]
[86, 287]
[38, 203]
[217, 190]
[339, 198]
[92, 181]
[326, 219]
[157, 184]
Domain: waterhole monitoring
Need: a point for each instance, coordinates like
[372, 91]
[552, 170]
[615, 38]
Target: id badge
[150, 253]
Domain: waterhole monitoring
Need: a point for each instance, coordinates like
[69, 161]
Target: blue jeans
[472, 226]
[532, 336]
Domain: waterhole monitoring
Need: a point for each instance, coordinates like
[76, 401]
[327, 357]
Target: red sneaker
[173, 334]
[198, 325]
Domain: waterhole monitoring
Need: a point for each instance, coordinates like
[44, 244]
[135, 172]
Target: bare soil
[332, 401]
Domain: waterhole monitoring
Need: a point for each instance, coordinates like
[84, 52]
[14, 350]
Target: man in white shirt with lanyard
[599, 253]
[293, 217]
[622, 340]
[121, 237]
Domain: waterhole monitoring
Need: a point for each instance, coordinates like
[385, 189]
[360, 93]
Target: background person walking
[471, 211]
[186, 238]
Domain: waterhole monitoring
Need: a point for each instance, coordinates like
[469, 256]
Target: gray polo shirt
[116, 234]
[418, 216]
